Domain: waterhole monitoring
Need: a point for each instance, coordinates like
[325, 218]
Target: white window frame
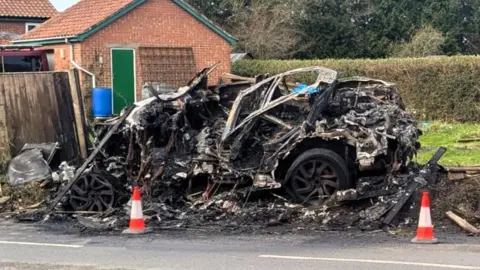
[30, 24]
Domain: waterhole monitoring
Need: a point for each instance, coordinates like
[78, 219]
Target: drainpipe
[77, 66]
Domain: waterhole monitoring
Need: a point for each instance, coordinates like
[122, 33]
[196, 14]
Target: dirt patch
[20, 198]
[462, 197]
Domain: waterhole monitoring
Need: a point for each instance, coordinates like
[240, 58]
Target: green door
[123, 78]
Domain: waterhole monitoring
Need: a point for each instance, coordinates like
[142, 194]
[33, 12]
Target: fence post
[5, 153]
[79, 116]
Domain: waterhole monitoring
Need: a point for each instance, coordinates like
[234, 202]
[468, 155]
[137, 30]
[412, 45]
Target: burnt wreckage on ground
[331, 142]
[312, 140]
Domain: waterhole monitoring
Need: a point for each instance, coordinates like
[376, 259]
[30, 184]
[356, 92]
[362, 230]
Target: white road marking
[39, 244]
[433, 265]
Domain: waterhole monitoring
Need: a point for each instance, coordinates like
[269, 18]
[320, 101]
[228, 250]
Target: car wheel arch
[347, 152]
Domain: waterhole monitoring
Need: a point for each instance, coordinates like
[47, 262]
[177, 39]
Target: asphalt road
[33, 247]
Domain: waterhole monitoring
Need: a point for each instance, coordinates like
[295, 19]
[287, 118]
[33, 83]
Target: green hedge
[437, 88]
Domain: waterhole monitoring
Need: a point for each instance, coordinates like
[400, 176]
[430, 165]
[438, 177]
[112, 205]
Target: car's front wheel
[316, 175]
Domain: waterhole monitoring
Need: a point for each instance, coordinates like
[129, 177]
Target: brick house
[160, 41]
[20, 16]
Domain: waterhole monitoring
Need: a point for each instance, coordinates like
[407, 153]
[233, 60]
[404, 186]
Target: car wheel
[92, 192]
[316, 175]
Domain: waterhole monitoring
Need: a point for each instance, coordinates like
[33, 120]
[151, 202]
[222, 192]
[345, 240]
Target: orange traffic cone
[425, 233]
[137, 222]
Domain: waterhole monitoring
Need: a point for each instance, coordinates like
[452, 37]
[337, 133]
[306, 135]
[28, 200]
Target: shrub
[426, 41]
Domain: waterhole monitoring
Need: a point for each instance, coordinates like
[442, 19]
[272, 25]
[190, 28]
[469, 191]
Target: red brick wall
[157, 23]
[12, 27]
[62, 59]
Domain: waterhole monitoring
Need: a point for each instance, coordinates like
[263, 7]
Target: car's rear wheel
[316, 175]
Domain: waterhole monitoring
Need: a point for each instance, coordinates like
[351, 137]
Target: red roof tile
[77, 19]
[27, 8]
[88, 15]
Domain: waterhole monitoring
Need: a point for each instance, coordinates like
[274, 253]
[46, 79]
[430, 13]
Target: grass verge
[437, 134]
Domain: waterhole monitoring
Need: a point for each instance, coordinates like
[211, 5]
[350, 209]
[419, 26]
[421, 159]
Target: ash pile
[255, 153]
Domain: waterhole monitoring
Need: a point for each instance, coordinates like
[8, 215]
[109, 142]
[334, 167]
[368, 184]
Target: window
[30, 26]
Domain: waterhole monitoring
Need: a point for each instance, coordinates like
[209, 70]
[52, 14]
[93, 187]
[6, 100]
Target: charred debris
[261, 151]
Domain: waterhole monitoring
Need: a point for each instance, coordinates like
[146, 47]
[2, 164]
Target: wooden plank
[4, 138]
[79, 117]
[34, 121]
[456, 176]
[464, 169]
[462, 223]
[42, 107]
[62, 133]
[16, 114]
[28, 106]
[81, 101]
[11, 106]
[21, 86]
[4, 85]
[22, 112]
[67, 120]
[51, 96]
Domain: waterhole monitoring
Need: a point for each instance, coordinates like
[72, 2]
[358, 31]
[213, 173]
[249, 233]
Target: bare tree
[266, 28]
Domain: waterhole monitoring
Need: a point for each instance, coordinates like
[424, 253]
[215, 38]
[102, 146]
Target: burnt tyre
[92, 192]
[316, 175]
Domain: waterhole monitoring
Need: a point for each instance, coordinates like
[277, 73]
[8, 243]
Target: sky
[61, 5]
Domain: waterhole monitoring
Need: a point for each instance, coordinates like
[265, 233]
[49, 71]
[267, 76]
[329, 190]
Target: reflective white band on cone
[137, 212]
[425, 218]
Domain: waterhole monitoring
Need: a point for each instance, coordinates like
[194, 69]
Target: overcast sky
[63, 4]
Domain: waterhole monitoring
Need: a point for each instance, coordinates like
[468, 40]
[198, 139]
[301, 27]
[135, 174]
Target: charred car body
[312, 140]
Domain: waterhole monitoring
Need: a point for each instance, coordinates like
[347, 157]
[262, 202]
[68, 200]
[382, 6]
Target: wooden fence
[37, 108]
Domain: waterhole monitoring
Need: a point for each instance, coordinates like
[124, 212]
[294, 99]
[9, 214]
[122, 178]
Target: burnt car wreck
[311, 140]
[330, 141]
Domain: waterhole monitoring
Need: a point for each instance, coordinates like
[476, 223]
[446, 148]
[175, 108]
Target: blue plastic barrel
[102, 102]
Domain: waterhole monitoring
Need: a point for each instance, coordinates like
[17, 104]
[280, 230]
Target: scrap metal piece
[425, 174]
[431, 169]
[437, 156]
[277, 121]
[92, 156]
[412, 187]
[265, 181]
[192, 85]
